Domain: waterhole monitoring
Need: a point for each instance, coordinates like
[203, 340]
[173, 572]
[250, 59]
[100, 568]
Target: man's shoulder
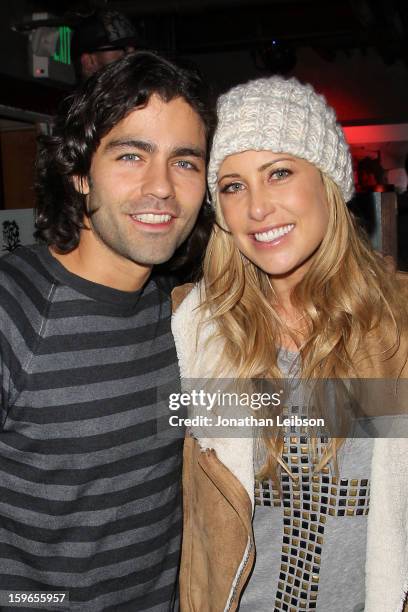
[22, 273]
[14, 260]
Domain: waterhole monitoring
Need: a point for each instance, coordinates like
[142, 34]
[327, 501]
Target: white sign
[17, 228]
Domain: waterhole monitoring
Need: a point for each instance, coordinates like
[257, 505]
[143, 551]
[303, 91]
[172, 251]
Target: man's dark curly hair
[85, 118]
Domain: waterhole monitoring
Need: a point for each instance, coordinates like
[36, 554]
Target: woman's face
[276, 209]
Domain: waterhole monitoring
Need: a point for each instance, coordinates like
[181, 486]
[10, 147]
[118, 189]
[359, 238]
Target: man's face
[94, 61]
[147, 183]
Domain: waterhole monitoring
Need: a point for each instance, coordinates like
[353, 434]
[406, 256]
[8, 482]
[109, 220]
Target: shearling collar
[196, 360]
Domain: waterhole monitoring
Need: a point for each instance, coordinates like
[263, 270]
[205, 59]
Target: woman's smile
[272, 236]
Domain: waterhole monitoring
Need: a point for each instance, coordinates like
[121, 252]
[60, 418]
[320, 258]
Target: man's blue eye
[130, 157]
[182, 163]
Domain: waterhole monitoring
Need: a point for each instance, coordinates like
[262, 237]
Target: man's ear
[81, 184]
[89, 64]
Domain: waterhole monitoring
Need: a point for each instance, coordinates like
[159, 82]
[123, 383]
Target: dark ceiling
[200, 26]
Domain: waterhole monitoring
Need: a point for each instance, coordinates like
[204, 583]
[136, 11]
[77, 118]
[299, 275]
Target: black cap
[102, 31]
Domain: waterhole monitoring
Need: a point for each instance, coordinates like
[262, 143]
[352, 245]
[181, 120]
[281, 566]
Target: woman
[291, 290]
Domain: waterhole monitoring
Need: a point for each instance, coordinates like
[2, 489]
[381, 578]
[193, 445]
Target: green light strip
[63, 55]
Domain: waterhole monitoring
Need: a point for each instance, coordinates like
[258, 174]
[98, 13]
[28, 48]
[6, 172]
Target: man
[102, 38]
[90, 499]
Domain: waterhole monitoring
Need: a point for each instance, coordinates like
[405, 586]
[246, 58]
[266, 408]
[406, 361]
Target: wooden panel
[18, 150]
[389, 209]
[377, 213]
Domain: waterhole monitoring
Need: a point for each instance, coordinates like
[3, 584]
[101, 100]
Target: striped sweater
[89, 490]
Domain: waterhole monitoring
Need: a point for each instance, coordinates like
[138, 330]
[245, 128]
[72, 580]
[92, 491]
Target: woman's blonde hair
[347, 291]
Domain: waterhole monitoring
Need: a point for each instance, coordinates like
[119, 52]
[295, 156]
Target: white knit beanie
[282, 116]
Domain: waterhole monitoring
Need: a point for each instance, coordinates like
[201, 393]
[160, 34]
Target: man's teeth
[274, 234]
[152, 218]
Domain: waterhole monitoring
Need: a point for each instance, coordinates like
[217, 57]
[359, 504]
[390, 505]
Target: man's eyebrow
[189, 152]
[149, 147]
[126, 143]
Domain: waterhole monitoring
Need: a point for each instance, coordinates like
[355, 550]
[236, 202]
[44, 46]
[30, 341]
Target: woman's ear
[81, 184]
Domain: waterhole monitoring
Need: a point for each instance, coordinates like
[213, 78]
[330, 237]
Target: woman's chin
[274, 268]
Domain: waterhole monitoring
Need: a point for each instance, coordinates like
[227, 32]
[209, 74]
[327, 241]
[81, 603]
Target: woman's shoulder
[179, 294]
[186, 296]
[187, 314]
[386, 344]
[402, 281]
[192, 328]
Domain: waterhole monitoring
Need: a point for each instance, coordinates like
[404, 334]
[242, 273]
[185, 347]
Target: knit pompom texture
[283, 116]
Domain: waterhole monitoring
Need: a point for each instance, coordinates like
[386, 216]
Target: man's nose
[158, 181]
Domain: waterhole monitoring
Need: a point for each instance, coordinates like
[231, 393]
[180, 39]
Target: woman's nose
[261, 204]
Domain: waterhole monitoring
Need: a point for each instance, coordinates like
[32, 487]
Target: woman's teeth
[274, 234]
[152, 218]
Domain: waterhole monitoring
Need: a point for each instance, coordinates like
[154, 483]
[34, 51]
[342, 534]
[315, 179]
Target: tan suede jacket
[217, 555]
[218, 550]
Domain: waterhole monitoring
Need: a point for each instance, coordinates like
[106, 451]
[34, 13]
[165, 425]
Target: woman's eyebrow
[260, 169]
[275, 161]
[232, 175]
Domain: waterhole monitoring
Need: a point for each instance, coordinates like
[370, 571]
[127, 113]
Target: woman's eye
[232, 188]
[280, 173]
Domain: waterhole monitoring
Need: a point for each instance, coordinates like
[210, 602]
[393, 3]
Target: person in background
[90, 490]
[100, 39]
[370, 175]
[402, 224]
[292, 292]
